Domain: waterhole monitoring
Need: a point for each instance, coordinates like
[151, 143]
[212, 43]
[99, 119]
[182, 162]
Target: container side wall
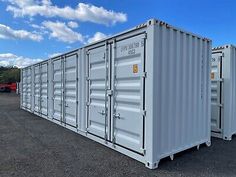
[182, 85]
[233, 60]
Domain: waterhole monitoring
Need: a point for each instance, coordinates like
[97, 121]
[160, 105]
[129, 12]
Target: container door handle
[117, 116]
[102, 112]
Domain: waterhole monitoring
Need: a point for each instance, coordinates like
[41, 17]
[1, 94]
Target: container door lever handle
[102, 112]
[117, 116]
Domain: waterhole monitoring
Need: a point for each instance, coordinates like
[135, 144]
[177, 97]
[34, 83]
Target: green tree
[9, 74]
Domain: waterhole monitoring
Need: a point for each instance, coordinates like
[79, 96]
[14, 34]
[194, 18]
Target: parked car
[5, 89]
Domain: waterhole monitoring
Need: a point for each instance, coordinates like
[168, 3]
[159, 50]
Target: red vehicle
[8, 87]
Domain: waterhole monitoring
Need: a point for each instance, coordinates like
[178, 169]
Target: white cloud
[83, 12]
[37, 26]
[8, 33]
[73, 24]
[7, 55]
[97, 36]
[62, 32]
[9, 59]
[54, 55]
[4, 63]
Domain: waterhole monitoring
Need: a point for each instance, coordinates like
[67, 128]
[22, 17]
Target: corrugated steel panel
[71, 89]
[44, 89]
[181, 90]
[223, 88]
[57, 88]
[37, 88]
[128, 97]
[97, 88]
[27, 88]
[144, 92]
[40, 87]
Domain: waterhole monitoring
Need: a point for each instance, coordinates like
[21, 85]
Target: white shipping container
[144, 92]
[223, 92]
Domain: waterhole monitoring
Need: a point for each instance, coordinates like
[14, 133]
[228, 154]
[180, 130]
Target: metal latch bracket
[109, 92]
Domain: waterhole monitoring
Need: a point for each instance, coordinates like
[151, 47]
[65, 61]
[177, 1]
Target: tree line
[9, 74]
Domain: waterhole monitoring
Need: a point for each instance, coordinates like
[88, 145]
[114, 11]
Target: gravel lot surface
[32, 146]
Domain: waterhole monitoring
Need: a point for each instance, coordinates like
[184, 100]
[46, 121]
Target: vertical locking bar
[143, 79]
[77, 93]
[40, 89]
[64, 90]
[106, 80]
[113, 89]
[87, 88]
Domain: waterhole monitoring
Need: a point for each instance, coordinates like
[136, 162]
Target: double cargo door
[66, 89]
[41, 88]
[116, 87]
[216, 92]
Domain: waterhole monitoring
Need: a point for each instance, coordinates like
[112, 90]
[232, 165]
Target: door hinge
[88, 103]
[87, 78]
[105, 137]
[143, 151]
[144, 74]
[144, 112]
[145, 36]
[217, 104]
[113, 139]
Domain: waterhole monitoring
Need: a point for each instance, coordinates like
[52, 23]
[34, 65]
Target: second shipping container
[223, 92]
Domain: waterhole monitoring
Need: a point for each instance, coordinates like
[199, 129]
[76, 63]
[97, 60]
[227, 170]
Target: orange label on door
[212, 75]
[135, 68]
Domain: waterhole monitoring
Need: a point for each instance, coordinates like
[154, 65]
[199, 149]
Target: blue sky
[32, 30]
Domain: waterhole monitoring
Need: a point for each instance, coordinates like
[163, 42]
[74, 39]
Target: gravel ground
[32, 146]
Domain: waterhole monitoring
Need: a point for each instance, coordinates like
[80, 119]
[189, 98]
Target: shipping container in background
[144, 92]
[223, 92]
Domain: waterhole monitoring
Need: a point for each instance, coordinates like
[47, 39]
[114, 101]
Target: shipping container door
[97, 88]
[37, 88]
[128, 98]
[44, 89]
[216, 91]
[71, 90]
[29, 89]
[24, 88]
[57, 89]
